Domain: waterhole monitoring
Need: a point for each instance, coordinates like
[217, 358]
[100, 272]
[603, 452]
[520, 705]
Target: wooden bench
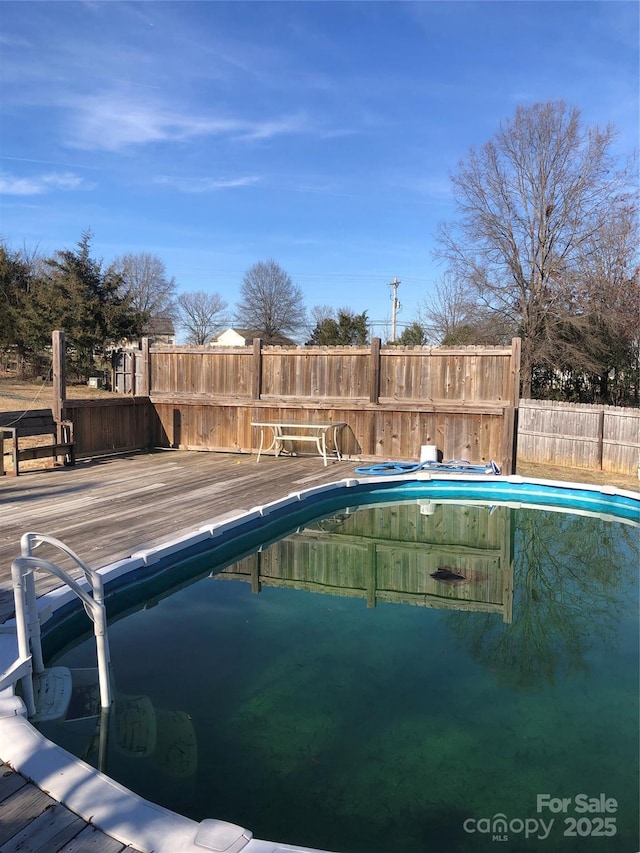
[285, 431]
[39, 422]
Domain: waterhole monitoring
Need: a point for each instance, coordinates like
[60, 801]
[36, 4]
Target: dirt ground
[17, 396]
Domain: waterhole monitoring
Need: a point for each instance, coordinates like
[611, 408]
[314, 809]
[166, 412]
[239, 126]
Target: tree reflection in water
[575, 578]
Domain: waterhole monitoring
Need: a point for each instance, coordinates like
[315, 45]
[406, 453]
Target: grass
[16, 396]
[578, 475]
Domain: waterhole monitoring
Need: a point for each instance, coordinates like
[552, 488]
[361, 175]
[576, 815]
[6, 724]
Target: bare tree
[448, 309]
[145, 282]
[453, 314]
[200, 314]
[270, 303]
[530, 202]
[607, 288]
[318, 315]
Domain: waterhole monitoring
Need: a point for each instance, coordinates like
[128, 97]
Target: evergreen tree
[413, 335]
[77, 296]
[16, 282]
[347, 329]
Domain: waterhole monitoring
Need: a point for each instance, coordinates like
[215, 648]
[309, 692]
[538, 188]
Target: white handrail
[28, 621]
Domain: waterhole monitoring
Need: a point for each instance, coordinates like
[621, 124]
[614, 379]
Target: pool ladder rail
[47, 692]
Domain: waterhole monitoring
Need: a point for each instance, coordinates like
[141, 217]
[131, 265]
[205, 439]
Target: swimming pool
[313, 718]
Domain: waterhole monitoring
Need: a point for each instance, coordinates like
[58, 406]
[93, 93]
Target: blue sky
[319, 134]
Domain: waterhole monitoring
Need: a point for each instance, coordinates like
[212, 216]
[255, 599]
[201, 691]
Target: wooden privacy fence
[109, 424]
[603, 438]
[394, 399]
[114, 424]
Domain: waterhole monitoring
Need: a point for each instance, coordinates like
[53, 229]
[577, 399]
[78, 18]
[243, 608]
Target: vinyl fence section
[604, 438]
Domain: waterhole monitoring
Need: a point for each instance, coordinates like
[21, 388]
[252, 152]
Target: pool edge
[110, 806]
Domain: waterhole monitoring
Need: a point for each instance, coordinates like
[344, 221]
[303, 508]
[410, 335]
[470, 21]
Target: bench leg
[64, 435]
[278, 441]
[336, 444]
[261, 443]
[323, 449]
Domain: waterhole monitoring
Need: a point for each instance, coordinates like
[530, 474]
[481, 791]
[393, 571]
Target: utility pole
[396, 306]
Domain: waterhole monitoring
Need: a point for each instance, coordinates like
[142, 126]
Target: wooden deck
[31, 820]
[103, 510]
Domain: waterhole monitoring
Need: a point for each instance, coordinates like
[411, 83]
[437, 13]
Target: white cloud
[268, 129]
[114, 122]
[13, 185]
[64, 181]
[204, 185]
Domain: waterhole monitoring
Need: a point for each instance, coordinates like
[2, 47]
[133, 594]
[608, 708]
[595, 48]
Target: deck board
[51, 830]
[32, 822]
[19, 809]
[105, 509]
[9, 781]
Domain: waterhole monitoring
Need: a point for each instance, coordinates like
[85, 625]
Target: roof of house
[159, 326]
[250, 334]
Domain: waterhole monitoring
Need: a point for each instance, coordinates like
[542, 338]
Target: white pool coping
[111, 807]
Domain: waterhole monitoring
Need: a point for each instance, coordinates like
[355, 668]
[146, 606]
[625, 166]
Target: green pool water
[328, 691]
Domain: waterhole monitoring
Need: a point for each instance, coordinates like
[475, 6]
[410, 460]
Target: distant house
[245, 338]
[160, 330]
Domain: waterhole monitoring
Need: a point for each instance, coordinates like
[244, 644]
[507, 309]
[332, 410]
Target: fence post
[257, 368]
[509, 439]
[516, 350]
[145, 384]
[510, 432]
[58, 348]
[374, 387]
[132, 368]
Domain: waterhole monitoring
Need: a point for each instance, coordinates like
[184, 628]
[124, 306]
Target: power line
[207, 271]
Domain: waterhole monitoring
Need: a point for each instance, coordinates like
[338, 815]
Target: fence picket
[580, 435]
